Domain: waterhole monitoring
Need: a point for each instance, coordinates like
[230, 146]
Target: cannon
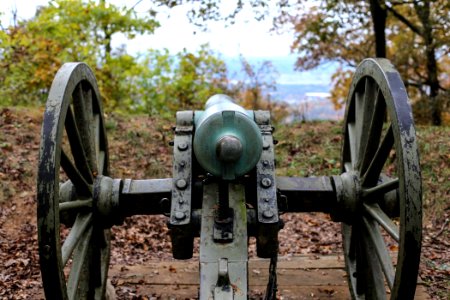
[224, 190]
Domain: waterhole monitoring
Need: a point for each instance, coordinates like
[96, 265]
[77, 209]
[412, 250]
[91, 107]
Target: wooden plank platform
[300, 277]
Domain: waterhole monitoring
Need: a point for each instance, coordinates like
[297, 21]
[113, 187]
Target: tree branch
[442, 229]
[136, 4]
[405, 21]
[394, 3]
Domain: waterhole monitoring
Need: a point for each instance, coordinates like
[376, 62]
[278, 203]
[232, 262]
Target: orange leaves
[341, 79]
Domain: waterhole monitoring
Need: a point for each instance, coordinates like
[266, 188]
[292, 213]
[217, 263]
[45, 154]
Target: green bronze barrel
[227, 141]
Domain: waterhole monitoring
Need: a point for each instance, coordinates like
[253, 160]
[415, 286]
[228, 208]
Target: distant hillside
[306, 92]
[308, 101]
[285, 68]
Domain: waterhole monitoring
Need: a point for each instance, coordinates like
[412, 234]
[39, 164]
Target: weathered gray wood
[301, 277]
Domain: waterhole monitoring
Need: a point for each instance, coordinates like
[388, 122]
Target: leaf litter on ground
[139, 149]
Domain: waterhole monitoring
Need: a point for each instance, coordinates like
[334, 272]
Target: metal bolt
[182, 163]
[229, 149]
[181, 200]
[266, 145]
[266, 182]
[179, 215]
[266, 199]
[181, 184]
[165, 204]
[268, 214]
[265, 162]
[182, 146]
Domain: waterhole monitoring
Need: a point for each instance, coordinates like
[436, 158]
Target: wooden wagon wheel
[73, 153]
[381, 171]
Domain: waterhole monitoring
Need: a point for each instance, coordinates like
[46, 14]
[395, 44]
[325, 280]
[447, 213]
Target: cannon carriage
[224, 189]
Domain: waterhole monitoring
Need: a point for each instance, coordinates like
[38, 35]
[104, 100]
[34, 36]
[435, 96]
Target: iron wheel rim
[380, 89]
[74, 93]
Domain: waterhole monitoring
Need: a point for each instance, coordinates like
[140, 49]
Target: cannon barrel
[227, 141]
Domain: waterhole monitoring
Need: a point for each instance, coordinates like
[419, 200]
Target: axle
[121, 198]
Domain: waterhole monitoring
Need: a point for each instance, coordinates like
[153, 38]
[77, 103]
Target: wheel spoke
[76, 205]
[82, 103]
[97, 133]
[369, 137]
[75, 235]
[381, 189]
[376, 243]
[355, 260]
[94, 125]
[370, 177]
[80, 258]
[96, 271]
[352, 141]
[373, 274]
[374, 130]
[347, 233]
[348, 167]
[101, 161]
[82, 187]
[361, 263]
[76, 146]
[66, 191]
[380, 216]
[359, 121]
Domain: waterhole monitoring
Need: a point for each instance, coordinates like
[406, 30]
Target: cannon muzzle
[227, 141]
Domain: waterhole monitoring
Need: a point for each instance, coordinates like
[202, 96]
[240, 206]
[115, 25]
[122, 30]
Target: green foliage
[66, 31]
[181, 81]
[154, 82]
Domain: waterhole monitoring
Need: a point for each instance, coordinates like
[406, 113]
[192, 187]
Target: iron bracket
[180, 210]
[266, 191]
[223, 229]
[223, 289]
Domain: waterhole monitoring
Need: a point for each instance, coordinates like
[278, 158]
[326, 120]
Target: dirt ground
[139, 149]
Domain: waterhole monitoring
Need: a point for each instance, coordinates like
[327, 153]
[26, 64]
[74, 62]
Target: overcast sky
[247, 37]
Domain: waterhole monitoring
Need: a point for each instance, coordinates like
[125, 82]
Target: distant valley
[307, 101]
[307, 92]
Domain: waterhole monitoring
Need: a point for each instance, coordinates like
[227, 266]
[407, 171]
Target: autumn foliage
[414, 36]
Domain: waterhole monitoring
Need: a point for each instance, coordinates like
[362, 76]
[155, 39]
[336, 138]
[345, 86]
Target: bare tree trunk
[422, 9]
[423, 12]
[255, 93]
[379, 15]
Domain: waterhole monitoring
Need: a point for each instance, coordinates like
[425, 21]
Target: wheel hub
[106, 200]
[348, 197]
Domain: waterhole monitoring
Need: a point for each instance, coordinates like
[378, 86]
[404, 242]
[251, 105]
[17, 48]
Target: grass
[434, 147]
[308, 149]
[313, 149]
